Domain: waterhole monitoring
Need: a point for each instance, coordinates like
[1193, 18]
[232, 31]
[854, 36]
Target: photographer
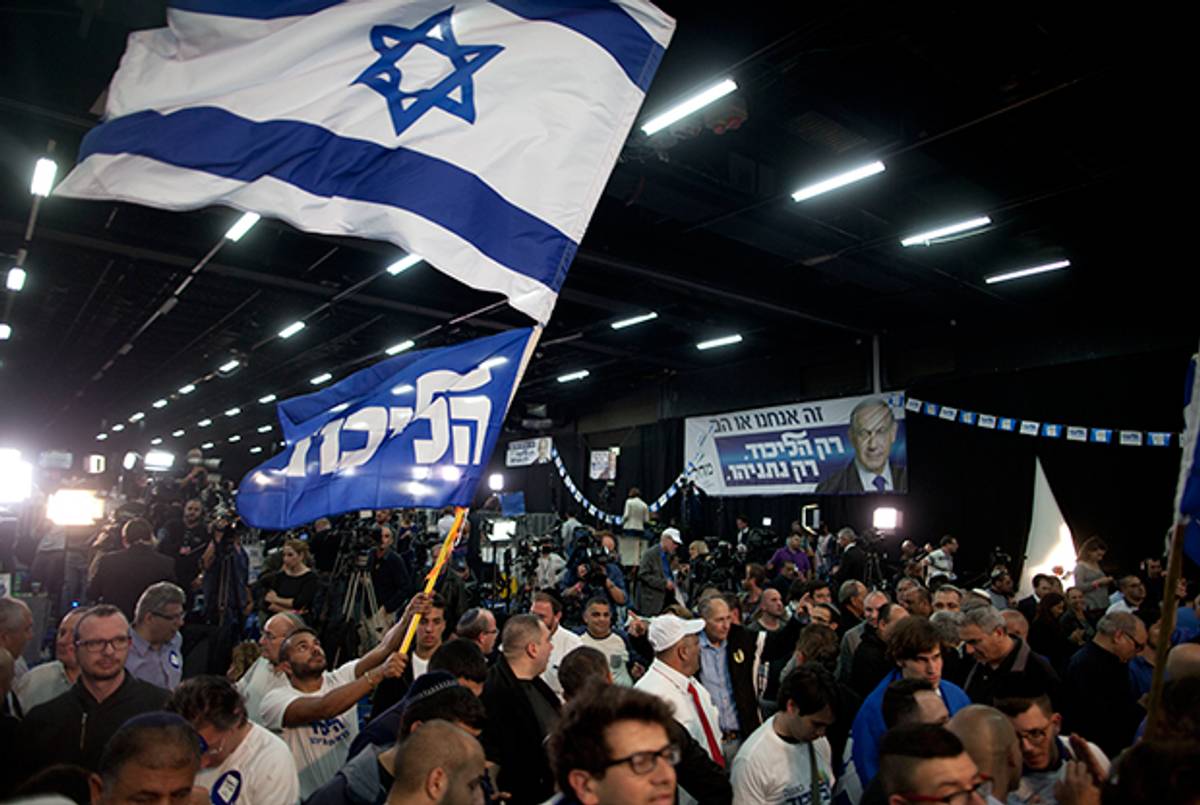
[225, 582]
[185, 542]
[594, 572]
[719, 568]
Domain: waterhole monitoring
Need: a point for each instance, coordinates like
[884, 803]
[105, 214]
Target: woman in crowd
[1046, 635]
[294, 587]
[1090, 579]
[1075, 625]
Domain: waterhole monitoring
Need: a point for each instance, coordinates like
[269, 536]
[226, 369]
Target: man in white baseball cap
[676, 644]
[656, 581]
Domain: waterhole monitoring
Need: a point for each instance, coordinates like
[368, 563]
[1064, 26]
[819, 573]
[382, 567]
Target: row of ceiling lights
[726, 86]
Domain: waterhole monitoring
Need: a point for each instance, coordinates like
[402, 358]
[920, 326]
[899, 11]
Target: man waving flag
[411, 431]
[477, 135]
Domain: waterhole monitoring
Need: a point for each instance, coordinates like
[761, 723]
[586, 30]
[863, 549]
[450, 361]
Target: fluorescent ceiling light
[834, 182]
[234, 438]
[16, 279]
[233, 411]
[403, 264]
[207, 446]
[157, 440]
[204, 423]
[178, 433]
[623, 323]
[925, 238]
[723, 341]
[5, 332]
[242, 226]
[1026, 272]
[267, 398]
[229, 366]
[188, 389]
[687, 106]
[499, 360]
[161, 402]
[101, 437]
[264, 428]
[138, 417]
[256, 449]
[324, 377]
[117, 428]
[403, 346]
[567, 378]
[43, 177]
[291, 329]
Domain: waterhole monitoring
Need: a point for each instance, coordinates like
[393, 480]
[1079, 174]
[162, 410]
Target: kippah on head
[157, 740]
[429, 683]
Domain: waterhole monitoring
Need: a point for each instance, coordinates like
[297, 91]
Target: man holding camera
[596, 574]
[185, 542]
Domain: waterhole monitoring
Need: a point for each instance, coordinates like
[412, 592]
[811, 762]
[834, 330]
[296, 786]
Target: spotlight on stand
[766, 521]
[885, 519]
[16, 477]
[131, 459]
[496, 481]
[75, 507]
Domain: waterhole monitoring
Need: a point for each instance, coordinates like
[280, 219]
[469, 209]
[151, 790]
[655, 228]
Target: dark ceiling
[1029, 116]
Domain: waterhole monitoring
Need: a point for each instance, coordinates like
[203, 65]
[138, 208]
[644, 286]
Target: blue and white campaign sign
[852, 445]
[414, 430]
[477, 135]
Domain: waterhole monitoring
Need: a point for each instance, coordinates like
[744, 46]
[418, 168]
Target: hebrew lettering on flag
[414, 430]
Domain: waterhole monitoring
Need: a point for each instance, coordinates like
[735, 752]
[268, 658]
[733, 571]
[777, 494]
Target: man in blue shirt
[155, 650]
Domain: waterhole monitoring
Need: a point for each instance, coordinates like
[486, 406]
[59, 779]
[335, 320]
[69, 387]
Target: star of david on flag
[476, 135]
[393, 43]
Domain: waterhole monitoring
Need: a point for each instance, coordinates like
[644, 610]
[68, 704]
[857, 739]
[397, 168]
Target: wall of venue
[974, 483]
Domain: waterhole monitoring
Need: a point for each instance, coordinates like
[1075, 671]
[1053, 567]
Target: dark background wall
[974, 483]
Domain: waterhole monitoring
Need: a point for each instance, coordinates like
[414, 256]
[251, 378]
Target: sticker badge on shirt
[739, 657]
[227, 789]
[174, 659]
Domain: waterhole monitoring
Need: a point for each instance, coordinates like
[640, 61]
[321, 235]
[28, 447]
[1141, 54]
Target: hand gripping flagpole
[460, 512]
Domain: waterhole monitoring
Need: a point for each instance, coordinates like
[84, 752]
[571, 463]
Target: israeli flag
[1101, 436]
[1006, 423]
[967, 417]
[477, 135]
[417, 432]
[1187, 490]
[1158, 439]
[1052, 431]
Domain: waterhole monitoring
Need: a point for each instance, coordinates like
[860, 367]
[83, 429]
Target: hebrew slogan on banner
[848, 446]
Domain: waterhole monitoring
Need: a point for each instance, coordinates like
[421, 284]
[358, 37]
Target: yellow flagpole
[430, 580]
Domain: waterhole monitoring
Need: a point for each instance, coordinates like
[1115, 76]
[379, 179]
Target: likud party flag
[477, 135]
[411, 431]
[1187, 491]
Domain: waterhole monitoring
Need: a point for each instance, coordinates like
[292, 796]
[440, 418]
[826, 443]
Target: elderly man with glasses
[156, 650]
[74, 727]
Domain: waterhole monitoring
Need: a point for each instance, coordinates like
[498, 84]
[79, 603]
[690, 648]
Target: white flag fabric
[1049, 549]
[477, 135]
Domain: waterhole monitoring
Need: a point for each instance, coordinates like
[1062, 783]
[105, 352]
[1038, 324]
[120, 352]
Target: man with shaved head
[992, 743]
[439, 764]
[151, 758]
[264, 675]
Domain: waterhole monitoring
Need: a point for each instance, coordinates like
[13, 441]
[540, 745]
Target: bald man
[439, 764]
[991, 741]
[264, 675]
[1183, 660]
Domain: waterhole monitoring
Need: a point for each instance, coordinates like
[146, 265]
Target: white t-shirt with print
[614, 650]
[260, 771]
[319, 748]
[770, 771]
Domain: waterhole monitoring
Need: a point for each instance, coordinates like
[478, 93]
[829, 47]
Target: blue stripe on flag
[320, 162]
[254, 9]
[606, 24]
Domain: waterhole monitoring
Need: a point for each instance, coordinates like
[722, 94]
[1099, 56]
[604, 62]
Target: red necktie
[714, 748]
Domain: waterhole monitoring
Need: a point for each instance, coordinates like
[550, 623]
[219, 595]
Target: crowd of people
[191, 671]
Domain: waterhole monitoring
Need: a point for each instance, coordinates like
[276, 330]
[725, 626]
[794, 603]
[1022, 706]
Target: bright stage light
[159, 460]
[1026, 272]
[16, 477]
[75, 507]
[689, 105]
[841, 180]
[766, 521]
[885, 518]
[5, 331]
[496, 481]
[44, 171]
[242, 226]
[130, 461]
[623, 323]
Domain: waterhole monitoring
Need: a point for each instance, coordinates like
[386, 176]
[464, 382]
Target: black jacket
[512, 736]
[1100, 703]
[74, 728]
[853, 565]
[870, 663]
[739, 659]
[847, 482]
[122, 576]
[697, 773]
[982, 679]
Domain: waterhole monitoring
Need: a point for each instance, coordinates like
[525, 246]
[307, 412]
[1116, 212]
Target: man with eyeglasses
[928, 764]
[1044, 753]
[612, 747]
[264, 675]
[788, 757]
[74, 727]
[1100, 702]
[156, 653]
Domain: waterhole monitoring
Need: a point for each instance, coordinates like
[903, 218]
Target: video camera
[720, 568]
[590, 552]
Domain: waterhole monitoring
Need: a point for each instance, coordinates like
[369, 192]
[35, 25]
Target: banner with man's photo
[847, 446]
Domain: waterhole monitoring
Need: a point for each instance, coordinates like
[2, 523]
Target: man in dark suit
[122, 576]
[853, 564]
[872, 432]
[1043, 585]
[656, 585]
[522, 711]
